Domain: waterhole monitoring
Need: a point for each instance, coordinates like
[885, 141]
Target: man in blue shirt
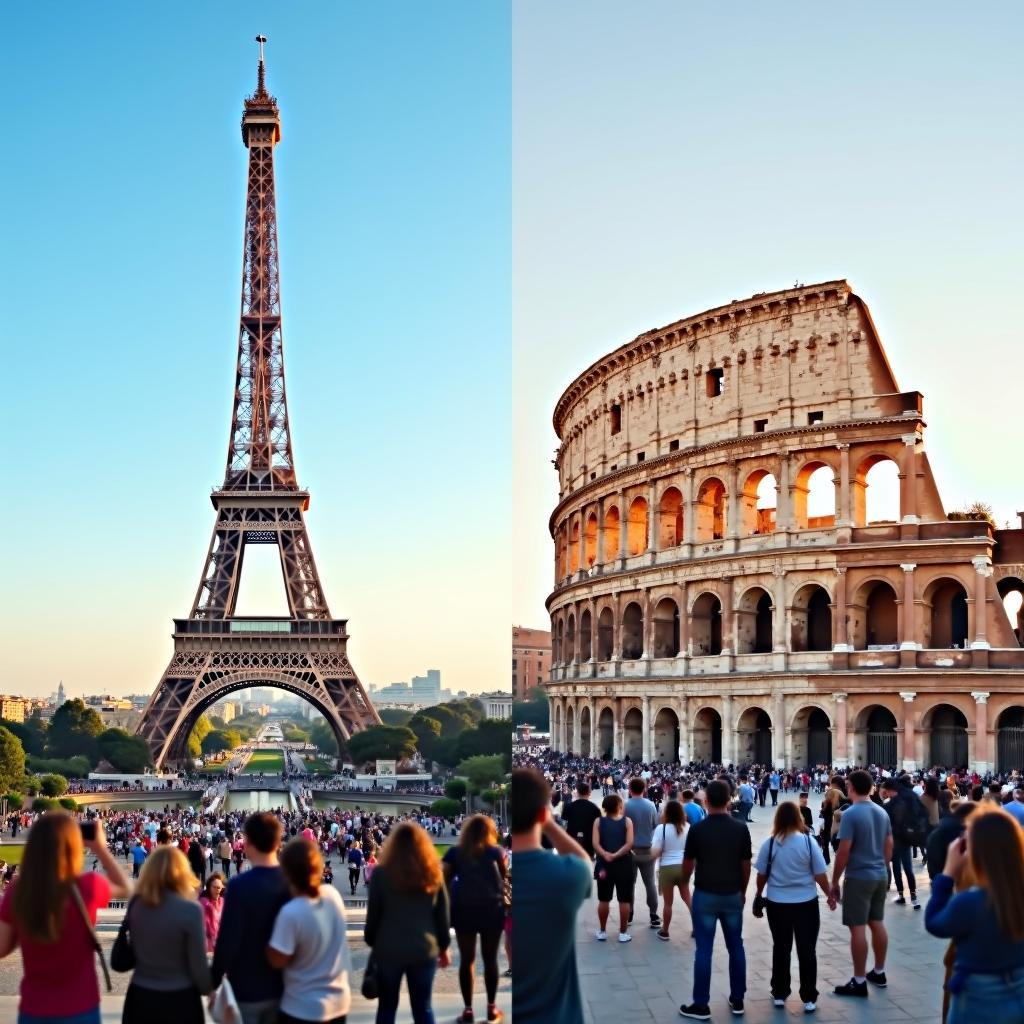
[549, 891]
[746, 795]
[138, 857]
[773, 787]
[1016, 805]
[693, 810]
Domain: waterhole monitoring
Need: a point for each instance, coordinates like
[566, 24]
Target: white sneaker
[625, 937]
[810, 1007]
[778, 1002]
[601, 936]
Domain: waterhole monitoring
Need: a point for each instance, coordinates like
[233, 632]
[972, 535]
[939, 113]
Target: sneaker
[601, 936]
[900, 901]
[779, 1003]
[695, 1012]
[662, 935]
[853, 988]
[876, 978]
[625, 937]
[914, 901]
[655, 921]
[466, 1017]
[810, 1007]
[494, 1015]
[736, 1005]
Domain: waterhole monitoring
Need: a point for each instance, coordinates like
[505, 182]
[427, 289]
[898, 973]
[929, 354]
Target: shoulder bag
[760, 901]
[369, 988]
[122, 953]
[76, 895]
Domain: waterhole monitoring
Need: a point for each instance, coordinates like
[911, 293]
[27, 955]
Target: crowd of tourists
[683, 830]
[270, 944]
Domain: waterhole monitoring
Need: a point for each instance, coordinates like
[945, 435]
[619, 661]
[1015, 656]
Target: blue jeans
[903, 859]
[421, 983]
[709, 908]
[993, 998]
[89, 1017]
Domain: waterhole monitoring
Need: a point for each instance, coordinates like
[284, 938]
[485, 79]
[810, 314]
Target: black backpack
[478, 885]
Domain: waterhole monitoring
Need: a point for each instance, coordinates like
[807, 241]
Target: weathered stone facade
[704, 607]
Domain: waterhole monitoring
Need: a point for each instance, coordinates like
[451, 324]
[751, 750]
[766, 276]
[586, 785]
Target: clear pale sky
[123, 188]
[670, 157]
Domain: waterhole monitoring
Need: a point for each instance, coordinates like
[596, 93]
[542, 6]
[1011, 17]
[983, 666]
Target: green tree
[202, 728]
[533, 711]
[294, 733]
[31, 733]
[454, 718]
[220, 740]
[15, 801]
[70, 767]
[428, 732]
[73, 731]
[68, 803]
[126, 753]
[53, 785]
[446, 808]
[12, 760]
[395, 716]
[491, 736]
[482, 772]
[455, 789]
[390, 742]
[322, 737]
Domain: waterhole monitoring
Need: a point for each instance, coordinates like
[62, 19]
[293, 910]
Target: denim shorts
[88, 1017]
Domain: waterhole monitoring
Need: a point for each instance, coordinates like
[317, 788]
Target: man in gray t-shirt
[644, 816]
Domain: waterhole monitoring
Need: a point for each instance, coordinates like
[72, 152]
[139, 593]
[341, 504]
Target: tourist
[668, 844]
[369, 866]
[550, 889]
[44, 913]
[773, 787]
[224, 853]
[579, 817]
[790, 864]
[355, 864]
[835, 798]
[719, 848]
[309, 942]
[909, 818]
[1016, 805]
[986, 922]
[251, 903]
[169, 942]
[805, 813]
[407, 922]
[475, 874]
[212, 902]
[138, 857]
[950, 828]
[745, 803]
[864, 854]
[644, 816]
[197, 860]
[693, 810]
[613, 842]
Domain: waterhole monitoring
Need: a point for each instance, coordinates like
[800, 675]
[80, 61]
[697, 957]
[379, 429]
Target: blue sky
[669, 157]
[124, 185]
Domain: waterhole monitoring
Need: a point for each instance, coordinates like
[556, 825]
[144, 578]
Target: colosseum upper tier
[729, 585]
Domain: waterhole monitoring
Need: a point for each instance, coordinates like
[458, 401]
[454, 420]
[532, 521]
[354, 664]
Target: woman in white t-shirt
[309, 942]
[667, 847]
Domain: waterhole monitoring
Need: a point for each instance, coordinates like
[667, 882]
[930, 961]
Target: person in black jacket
[579, 817]
[951, 826]
[909, 821]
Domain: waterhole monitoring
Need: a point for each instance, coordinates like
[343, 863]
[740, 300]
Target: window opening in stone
[666, 629]
[707, 736]
[616, 411]
[586, 633]
[874, 617]
[611, 534]
[706, 629]
[632, 632]
[673, 446]
[754, 622]
[590, 541]
[760, 426]
[636, 534]
[811, 619]
[814, 497]
[815, 417]
[640, 456]
[946, 626]
[670, 519]
[715, 382]
[710, 510]
[605, 634]
[876, 492]
[758, 503]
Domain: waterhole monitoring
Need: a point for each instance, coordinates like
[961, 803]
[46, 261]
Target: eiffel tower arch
[260, 502]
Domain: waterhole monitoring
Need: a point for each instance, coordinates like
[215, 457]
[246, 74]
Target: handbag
[122, 953]
[225, 1007]
[760, 901]
[369, 987]
[80, 903]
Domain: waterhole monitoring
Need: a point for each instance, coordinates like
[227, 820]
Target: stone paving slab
[647, 979]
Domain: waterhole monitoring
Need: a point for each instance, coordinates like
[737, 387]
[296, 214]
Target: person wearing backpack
[474, 872]
[909, 819]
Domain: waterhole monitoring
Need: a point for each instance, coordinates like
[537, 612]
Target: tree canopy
[201, 729]
[12, 760]
[395, 716]
[218, 740]
[482, 772]
[73, 731]
[321, 735]
[125, 752]
[388, 742]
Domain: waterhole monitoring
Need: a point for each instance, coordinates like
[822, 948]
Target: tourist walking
[773, 787]
[668, 846]
[579, 817]
[909, 819]
[863, 855]
[789, 865]
[212, 903]
[551, 885]
[196, 854]
[613, 843]
[985, 922]
[354, 859]
[407, 922]
[251, 903]
[224, 853]
[169, 942]
[138, 858]
[45, 913]
[474, 872]
[835, 798]
[644, 816]
[309, 943]
[745, 803]
[719, 848]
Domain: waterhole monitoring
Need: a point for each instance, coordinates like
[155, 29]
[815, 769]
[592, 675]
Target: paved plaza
[647, 979]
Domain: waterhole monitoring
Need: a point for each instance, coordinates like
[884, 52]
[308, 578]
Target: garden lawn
[318, 765]
[270, 762]
[11, 852]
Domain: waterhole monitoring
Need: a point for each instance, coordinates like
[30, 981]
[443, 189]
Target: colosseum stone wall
[730, 584]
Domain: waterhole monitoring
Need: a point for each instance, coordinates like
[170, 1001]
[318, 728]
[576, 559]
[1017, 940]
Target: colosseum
[753, 562]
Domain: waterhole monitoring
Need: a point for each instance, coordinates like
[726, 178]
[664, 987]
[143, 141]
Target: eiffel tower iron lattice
[260, 502]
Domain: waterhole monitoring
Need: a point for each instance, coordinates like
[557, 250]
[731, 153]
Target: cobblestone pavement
[648, 979]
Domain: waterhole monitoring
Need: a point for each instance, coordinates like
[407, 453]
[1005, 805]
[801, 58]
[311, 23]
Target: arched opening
[1010, 740]
[706, 628]
[570, 723]
[946, 624]
[710, 510]
[814, 497]
[574, 547]
[632, 632]
[1011, 591]
[875, 737]
[666, 629]
[670, 519]
[754, 622]
[633, 735]
[605, 733]
[707, 736]
[759, 502]
[874, 617]
[666, 736]
[636, 533]
[605, 634]
[556, 728]
[754, 737]
[586, 634]
[590, 541]
[811, 738]
[875, 491]
[562, 549]
[585, 731]
[811, 619]
[947, 736]
[611, 534]
[570, 639]
[559, 651]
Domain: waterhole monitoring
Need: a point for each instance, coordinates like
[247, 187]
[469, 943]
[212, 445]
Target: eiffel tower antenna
[260, 502]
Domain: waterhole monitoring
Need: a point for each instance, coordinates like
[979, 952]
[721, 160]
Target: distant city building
[496, 705]
[531, 660]
[14, 709]
[60, 697]
[424, 691]
[256, 708]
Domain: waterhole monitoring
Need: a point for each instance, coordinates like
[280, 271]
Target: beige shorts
[669, 875]
[863, 900]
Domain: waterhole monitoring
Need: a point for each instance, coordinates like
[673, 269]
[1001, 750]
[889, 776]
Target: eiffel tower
[215, 651]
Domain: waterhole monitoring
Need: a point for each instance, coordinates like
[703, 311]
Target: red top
[60, 977]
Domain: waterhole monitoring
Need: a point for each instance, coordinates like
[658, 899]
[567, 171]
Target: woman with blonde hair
[475, 874]
[986, 921]
[667, 848]
[407, 923]
[50, 911]
[168, 938]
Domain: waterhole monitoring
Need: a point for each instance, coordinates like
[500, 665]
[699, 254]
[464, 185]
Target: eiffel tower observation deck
[260, 502]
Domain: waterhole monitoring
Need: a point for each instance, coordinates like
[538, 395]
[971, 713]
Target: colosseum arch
[707, 736]
[810, 737]
[710, 510]
[706, 624]
[814, 496]
[570, 727]
[590, 541]
[605, 732]
[754, 622]
[875, 490]
[874, 615]
[874, 736]
[636, 528]
[669, 519]
[586, 636]
[1010, 739]
[754, 737]
[562, 552]
[558, 653]
[811, 619]
[570, 639]
[1011, 592]
[574, 547]
[665, 745]
[605, 634]
[945, 614]
[633, 735]
[666, 629]
[946, 727]
[585, 727]
[610, 533]
[758, 503]
[632, 632]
